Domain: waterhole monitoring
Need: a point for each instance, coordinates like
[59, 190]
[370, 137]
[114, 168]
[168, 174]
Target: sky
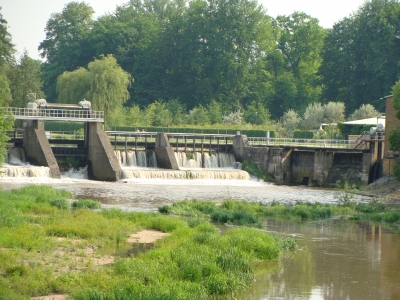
[27, 18]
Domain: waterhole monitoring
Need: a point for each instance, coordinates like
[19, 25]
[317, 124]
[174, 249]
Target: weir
[107, 153]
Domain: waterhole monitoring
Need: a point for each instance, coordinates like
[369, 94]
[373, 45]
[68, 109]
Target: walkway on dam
[44, 114]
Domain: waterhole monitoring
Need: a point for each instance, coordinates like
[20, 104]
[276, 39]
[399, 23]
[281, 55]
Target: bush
[86, 203]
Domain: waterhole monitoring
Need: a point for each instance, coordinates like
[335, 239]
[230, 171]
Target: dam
[109, 156]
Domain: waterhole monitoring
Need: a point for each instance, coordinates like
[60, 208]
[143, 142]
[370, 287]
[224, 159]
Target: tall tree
[104, 83]
[63, 48]
[361, 55]
[6, 51]
[294, 63]
[25, 77]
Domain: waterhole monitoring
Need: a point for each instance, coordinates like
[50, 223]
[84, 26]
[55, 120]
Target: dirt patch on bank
[146, 236]
[385, 189]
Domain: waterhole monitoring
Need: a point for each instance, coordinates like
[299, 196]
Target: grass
[49, 246]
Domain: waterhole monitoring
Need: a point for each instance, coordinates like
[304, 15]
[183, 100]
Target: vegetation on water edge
[47, 246]
[251, 214]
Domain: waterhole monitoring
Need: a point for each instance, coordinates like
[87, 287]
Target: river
[339, 260]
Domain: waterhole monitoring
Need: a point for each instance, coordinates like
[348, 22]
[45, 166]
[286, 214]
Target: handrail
[312, 143]
[55, 114]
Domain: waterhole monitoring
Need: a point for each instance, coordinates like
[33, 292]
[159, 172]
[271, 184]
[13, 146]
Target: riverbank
[385, 190]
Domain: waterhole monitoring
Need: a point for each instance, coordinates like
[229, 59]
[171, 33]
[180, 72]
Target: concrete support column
[102, 161]
[165, 154]
[37, 147]
[366, 166]
[239, 145]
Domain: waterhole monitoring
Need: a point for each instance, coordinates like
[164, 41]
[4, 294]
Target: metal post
[202, 142]
[135, 142]
[115, 142]
[185, 143]
[126, 145]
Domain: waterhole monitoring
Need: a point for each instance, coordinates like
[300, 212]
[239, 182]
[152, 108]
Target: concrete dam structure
[308, 166]
[312, 166]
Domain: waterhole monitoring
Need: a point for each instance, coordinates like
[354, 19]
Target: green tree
[334, 112]
[361, 55]
[215, 112]
[158, 114]
[6, 51]
[64, 48]
[178, 111]
[314, 116]
[198, 116]
[291, 120]
[294, 63]
[24, 77]
[365, 111]
[256, 113]
[104, 83]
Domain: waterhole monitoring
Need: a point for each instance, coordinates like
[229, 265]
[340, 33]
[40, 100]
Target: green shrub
[86, 203]
[60, 203]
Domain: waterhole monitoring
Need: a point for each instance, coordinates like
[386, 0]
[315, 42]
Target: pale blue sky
[27, 18]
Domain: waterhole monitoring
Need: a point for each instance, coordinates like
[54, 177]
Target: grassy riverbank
[53, 244]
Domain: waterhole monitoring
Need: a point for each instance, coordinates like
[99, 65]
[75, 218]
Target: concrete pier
[37, 147]
[165, 154]
[102, 161]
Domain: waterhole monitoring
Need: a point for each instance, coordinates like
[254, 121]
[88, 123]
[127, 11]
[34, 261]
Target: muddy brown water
[340, 260]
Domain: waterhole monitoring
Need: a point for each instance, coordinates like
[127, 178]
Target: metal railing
[55, 114]
[311, 143]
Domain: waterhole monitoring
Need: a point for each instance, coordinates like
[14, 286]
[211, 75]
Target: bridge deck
[55, 114]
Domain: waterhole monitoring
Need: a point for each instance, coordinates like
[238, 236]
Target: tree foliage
[294, 63]
[361, 55]
[104, 83]
[6, 51]
[65, 47]
[25, 77]
[365, 111]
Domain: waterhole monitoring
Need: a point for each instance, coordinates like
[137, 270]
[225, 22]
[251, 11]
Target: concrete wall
[37, 148]
[313, 167]
[102, 161]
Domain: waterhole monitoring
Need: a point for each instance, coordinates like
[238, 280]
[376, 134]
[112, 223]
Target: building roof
[369, 121]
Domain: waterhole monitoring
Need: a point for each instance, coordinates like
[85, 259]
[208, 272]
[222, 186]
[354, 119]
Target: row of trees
[230, 52]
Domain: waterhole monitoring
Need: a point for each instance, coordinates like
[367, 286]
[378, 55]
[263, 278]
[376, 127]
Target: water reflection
[343, 260]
